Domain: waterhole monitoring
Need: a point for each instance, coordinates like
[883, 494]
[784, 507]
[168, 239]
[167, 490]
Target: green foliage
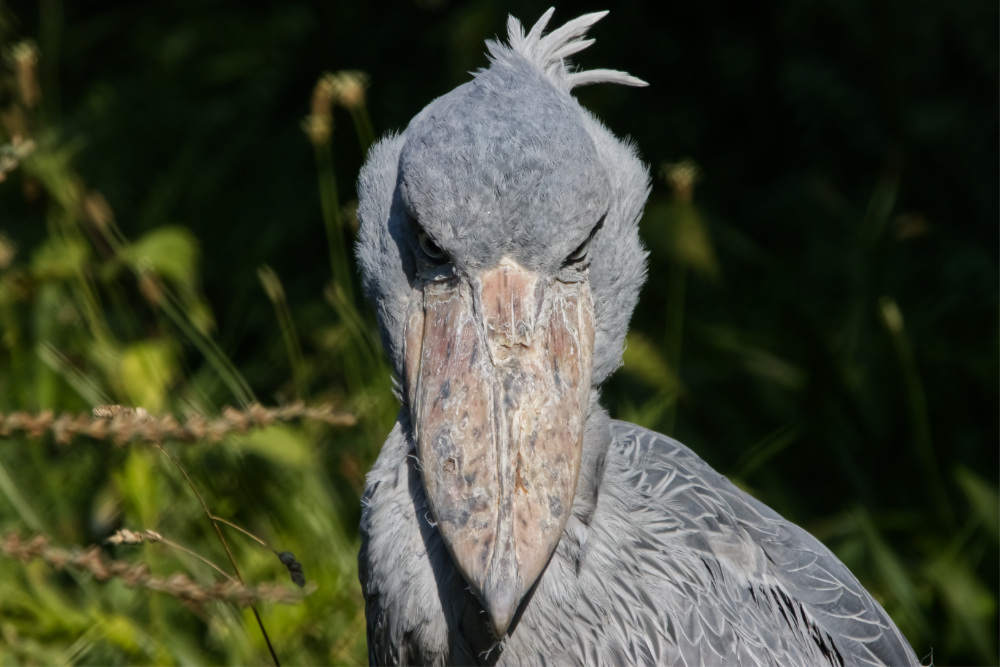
[820, 321]
[91, 317]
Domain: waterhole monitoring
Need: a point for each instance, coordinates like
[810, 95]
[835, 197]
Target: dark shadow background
[848, 152]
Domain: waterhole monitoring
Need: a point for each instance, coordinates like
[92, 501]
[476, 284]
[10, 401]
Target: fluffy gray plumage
[663, 560]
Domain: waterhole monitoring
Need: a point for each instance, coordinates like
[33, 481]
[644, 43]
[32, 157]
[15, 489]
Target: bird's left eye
[580, 254]
[431, 249]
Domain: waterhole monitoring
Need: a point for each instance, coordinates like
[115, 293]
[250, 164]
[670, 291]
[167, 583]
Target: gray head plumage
[509, 164]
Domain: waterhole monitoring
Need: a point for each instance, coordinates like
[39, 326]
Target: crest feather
[549, 52]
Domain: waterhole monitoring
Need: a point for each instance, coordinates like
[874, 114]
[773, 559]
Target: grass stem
[225, 545]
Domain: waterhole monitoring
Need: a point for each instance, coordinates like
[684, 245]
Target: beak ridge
[498, 381]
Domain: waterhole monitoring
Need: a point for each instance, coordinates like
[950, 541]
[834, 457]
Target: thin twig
[225, 545]
[126, 536]
[244, 531]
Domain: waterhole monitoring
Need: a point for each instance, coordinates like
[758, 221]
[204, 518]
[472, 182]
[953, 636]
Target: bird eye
[580, 253]
[431, 249]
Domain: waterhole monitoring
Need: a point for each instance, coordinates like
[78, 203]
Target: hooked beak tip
[501, 600]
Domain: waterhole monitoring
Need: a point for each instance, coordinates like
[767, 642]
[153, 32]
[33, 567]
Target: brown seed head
[681, 177]
[97, 209]
[25, 56]
[350, 86]
[7, 251]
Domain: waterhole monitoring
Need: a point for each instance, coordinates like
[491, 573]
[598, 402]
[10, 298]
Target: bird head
[499, 244]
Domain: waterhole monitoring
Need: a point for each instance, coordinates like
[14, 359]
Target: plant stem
[209, 349]
[205, 344]
[339, 264]
[676, 282]
[276, 293]
[225, 545]
[916, 403]
[242, 530]
[363, 127]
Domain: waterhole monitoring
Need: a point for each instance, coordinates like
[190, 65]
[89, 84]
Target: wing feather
[774, 581]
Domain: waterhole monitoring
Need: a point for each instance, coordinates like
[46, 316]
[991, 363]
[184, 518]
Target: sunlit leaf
[200, 314]
[649, 412]
[755, 358]
[971, 603]
[281, 444]
[170, 251]
[148, 369]
[679, 231]
[692, 243]
[59, 257]
[892, 571]
[645, 361]
[139, 483]
[120, 631]
[765, 449]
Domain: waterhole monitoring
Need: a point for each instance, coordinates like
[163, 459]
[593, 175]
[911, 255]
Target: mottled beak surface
[498, 381]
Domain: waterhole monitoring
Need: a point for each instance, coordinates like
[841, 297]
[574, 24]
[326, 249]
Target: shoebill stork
[508, 518]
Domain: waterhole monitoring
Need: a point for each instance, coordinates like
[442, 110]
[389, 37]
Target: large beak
[498, 381]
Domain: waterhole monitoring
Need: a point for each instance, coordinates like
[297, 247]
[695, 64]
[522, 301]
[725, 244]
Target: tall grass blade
[276, 294]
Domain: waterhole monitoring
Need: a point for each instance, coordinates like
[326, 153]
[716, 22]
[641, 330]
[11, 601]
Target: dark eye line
[581, 252]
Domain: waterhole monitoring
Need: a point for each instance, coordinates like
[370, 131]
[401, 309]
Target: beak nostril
[450, 465]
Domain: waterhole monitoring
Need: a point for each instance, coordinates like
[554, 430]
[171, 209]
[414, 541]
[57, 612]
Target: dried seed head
[318, 128]
[681, 177]
[287, 559]
[137, 575]
[891, 315]
[7, 251]
[13, 153]
[120, 411]
[97, 209]
[318, 125]
[150, 288]
[324, 95]
[136, 424]
[271, 283]
[25, 56]
[350, 87]
[126, 536]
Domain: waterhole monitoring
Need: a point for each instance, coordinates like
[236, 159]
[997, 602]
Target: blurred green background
[820, 322]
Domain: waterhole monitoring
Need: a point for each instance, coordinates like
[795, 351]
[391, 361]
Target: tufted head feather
[509, 164]
[548, 53]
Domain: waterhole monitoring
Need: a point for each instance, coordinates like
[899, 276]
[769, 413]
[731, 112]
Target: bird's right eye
[580, 254]
[432, 250]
